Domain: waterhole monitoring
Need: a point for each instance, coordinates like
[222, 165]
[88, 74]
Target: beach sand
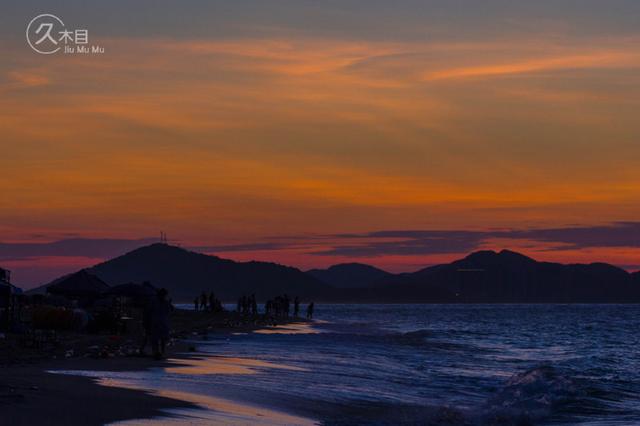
[35, 393]
[38, 398]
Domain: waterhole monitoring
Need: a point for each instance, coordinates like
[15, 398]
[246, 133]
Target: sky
[400, 134]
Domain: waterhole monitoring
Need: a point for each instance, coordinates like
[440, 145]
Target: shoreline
[32, 394]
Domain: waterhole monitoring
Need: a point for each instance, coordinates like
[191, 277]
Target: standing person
[254, 305]
[212, 301]
[195, 303]
[310, 311]
[146, 325]
[296, 307]
[278, 306]
[244, 304]
[203, 301]
[159, 321]
[286, 303]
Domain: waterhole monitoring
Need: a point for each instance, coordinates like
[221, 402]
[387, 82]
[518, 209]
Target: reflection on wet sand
[216, 411]
[223, 365]
[293, 328]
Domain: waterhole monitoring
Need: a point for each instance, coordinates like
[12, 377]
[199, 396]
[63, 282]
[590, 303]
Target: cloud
[241, 247]
[429, 242]
[440, 242]
[619, 234]
[593, 60]
[25, 79]
[76, 247]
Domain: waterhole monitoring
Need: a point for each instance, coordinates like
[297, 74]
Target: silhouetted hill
[510, 277]
[481, 277]
[350, 275]
[186, 274]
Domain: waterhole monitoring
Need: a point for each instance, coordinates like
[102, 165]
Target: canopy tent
[5, 275]
[8, 293]
[82, 285]
[6, 288]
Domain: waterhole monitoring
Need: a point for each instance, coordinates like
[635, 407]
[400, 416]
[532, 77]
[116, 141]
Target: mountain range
[481, 277]
[350, 275]
[510, 277]
[186, 274]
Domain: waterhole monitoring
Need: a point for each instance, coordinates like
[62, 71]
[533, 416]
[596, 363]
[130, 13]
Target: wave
[530, 396]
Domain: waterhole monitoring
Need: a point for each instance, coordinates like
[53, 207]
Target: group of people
[247, 305]
[158, 308]
[280, 306]
[208, 303]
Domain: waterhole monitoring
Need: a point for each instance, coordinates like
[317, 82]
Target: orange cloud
[22, 79]
[242, 137]
[583, 61]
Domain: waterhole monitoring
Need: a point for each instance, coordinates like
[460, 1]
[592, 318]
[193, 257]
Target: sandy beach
[34, 391]
[31, 395]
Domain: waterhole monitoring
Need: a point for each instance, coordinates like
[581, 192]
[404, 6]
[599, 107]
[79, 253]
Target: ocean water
[420, 364]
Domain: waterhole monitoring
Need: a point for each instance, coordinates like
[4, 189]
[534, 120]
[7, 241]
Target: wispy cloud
[435, 242]
[25, 79]
[429, 242]
[593, 60]
[76, 247]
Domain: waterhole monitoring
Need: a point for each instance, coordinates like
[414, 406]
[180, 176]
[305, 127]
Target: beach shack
[7, 290]
[8, 295]
[82, 286]
[5, 275]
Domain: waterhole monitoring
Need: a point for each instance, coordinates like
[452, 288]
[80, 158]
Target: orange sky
[234, 139]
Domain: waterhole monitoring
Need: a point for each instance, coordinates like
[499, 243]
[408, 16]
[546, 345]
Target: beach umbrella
[5, 275]
[7, 290]
[82, 284]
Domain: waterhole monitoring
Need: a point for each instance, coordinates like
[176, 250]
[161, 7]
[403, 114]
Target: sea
[386, 364]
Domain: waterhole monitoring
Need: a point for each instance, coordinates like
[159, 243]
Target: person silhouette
[203, 301]
[212, 301]
[310, 310]
[254, 305]
[296, 307]
[159, 310]
[285, 302]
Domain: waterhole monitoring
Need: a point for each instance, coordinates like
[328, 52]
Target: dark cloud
[361, 19]
[76, 247]
[417, 242]
[619, 234]
[412, 242]
[378, 243]
[241, 247]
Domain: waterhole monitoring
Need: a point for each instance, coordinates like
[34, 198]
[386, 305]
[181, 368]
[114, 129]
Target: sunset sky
[399, 134]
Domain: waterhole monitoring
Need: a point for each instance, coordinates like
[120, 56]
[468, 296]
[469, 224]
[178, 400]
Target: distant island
[481, 277]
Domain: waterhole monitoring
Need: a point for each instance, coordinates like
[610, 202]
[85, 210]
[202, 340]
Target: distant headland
[481, 277]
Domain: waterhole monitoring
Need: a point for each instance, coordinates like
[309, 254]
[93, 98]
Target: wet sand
[40, 398]
[33, 394]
